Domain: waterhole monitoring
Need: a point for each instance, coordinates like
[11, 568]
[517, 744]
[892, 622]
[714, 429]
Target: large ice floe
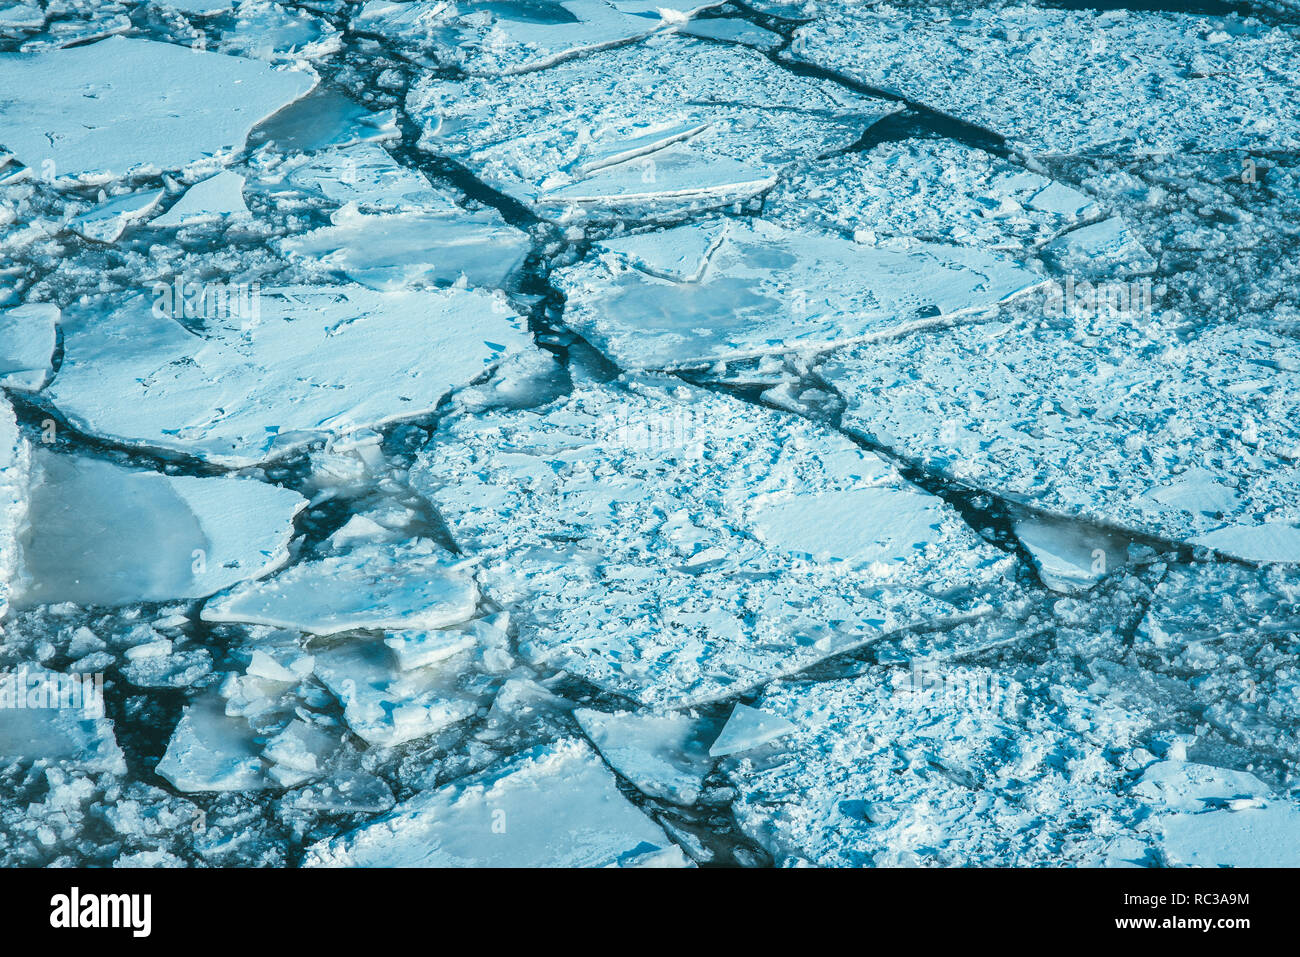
[1056, 81]
[131, 105]
[555, 806]
[676, 546]
[699, 293]
[1128, 419]
[516, 36]
[665, 126]
[275, 368]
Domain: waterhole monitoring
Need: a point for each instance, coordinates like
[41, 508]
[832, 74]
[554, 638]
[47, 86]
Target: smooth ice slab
[1190, 787]
[651, 133]
[1107, 250]
[275, 369]
[414, 585]
[107, 222]
[644, 535]
[1070, 556]
[28, 336]
[99, 534]
[756, 288]
[41, 720]
[366, 174]
[209, 751]
[665, 755]
[1074, 81]
[415, 247]
[516, 36]
[214, 199]
[1122, 420]
[124, 105]
[748, 728]
[554, 806]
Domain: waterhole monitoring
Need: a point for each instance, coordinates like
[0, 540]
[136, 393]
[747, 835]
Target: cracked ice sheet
[516, 36]
[127, 105]
[882, 773]
[554, 806]
[700, 293]
[311, 361]
[677, 547]
[929, 190]
[99, 534]
[1138, 82]
[666, 126]
[1184, 435]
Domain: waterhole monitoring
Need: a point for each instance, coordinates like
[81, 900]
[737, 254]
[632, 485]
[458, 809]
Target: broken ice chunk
[664, 755]
[554, 806]
[109, 108]
[28, 336]
[274, 369]
[733, 30]
[20, 18]
[764, 288]
[207, 201]
[416, 649]
[1104, 250]
[746, 729]
[622, 524]
[273, 31]
[368, 175]
[15, 467]
[416, 247]
[301, 747]
[209, 751]
[1263, 542]
[107, 222]
[40, 728]
[1070, 556]
[100, 534]
[413, 585]
[386, 705]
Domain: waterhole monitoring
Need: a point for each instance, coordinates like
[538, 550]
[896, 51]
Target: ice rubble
[554, 806]
[28, 337]
[275, 32]
[99, 534]
[408, 586]
[698, 293]
[122, 105]
[513, 37]
[274, 369]
[15, 463]
[653, 133]
[1128, 420]
[217, 198]
[932, 191]
[1137, 82]
[664, 755]
[649, 534]
[882, 771]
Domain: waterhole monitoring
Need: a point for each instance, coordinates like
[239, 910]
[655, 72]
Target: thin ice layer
[1125, 420]
[1132, 82]
[99, 534]
[274, 369]
[651, 133]
[109, 108]
[760, 288]
[645, 534]
[554, 806]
